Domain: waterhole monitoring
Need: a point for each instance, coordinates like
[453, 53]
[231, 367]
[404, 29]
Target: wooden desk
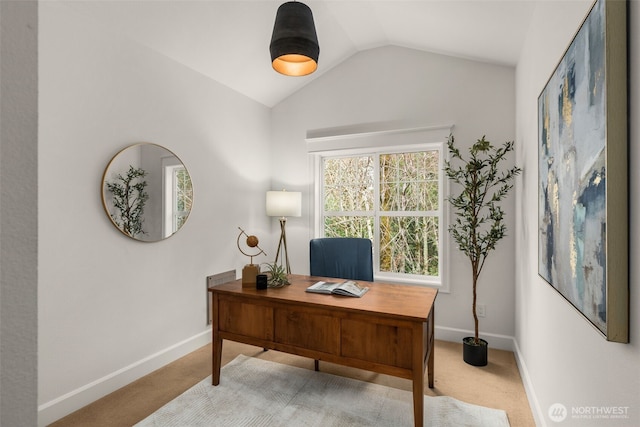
[389, 330]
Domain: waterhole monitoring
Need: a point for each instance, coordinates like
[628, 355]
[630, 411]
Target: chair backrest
[341, 257]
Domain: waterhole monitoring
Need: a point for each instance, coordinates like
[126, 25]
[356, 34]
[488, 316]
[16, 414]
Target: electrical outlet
[481, 310]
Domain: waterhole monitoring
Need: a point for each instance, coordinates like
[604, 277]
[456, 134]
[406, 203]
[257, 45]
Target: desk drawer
[251, 320]
[373, 342]
[308, 329]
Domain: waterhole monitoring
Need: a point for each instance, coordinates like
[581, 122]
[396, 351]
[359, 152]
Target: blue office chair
[342, 257]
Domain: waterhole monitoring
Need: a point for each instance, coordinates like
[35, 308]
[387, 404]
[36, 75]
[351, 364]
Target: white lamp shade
[284, 203]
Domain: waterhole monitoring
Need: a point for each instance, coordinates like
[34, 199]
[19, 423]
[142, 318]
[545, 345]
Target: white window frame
[374, 140]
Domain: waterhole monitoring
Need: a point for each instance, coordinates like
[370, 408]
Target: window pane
[409, 181]
[409, 245]
[348, 184]
[184, 190]
[348, 226]
[183, 197]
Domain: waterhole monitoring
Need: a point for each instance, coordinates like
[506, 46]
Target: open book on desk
[348, 288]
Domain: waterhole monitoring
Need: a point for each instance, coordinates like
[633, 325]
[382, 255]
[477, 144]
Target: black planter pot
[473, 354]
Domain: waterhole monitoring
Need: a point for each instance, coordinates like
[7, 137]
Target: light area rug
[255, 392]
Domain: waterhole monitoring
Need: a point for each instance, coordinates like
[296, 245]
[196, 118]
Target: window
[182, 196]
[393, 197]
[178, 197]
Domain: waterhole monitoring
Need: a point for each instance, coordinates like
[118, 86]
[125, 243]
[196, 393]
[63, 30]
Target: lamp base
[283, 244]
[249, 274]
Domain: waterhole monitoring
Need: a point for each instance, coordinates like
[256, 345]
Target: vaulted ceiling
[229, 40]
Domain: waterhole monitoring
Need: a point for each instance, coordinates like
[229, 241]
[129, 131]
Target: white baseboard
[538, 415]
[57, 408]
[501, 342]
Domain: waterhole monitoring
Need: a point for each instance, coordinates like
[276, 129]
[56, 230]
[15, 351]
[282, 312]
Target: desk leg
[430, 347]
[418, 374]
[216, 345]
[217, 359]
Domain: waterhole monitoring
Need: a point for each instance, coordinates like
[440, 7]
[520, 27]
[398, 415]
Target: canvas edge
[617, 208]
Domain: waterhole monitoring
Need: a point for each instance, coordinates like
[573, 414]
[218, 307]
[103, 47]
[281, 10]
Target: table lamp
[283, 204]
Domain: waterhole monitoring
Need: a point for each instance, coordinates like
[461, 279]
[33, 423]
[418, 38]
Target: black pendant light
[294, 43]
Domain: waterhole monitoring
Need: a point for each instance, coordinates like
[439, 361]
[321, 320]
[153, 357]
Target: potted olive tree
[479, 219]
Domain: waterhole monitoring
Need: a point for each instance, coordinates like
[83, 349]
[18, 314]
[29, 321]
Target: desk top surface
[405, 301]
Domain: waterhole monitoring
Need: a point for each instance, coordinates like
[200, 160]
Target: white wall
[18, 212]
[112, 308]
[564, 359]
[397, 84]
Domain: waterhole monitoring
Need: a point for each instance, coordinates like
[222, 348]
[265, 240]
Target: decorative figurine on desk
[251, 270]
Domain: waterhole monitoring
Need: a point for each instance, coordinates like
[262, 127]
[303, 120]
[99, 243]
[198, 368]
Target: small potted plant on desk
[479, 219]
[277, 276]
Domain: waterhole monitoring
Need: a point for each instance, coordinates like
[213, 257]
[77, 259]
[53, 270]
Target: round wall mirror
[147, 192]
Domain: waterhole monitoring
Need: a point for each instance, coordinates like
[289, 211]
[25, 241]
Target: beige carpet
[255, 392]
[497, 385]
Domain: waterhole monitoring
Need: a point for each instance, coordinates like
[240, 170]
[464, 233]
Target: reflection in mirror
[147, 192]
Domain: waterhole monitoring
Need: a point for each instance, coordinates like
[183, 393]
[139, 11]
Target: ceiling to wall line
[229, 40]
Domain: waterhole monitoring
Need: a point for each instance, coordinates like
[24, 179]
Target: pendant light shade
[294, 44]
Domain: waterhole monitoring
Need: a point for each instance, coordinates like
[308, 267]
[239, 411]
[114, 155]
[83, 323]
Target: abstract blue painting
[572, 200]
